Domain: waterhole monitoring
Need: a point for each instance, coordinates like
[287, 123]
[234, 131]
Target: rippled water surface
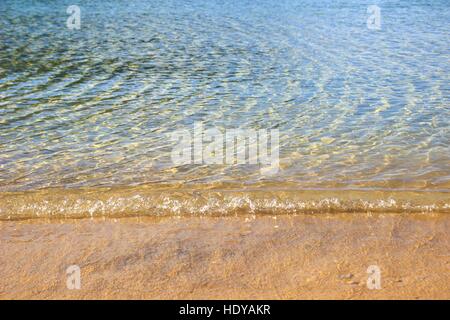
[355, 108]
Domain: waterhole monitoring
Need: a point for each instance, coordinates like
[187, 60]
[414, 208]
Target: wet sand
[243, 257]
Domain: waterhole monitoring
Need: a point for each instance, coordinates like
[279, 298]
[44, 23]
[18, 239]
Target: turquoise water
[355, 108]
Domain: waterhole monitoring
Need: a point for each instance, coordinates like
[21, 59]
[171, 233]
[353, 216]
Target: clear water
[356, 108]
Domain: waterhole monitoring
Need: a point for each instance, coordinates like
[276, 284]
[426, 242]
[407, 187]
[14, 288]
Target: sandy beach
[242, 257]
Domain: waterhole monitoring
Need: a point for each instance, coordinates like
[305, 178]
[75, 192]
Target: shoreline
[321, 256]
[211, 200]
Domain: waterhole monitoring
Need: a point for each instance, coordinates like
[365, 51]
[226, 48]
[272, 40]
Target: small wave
[145, 201]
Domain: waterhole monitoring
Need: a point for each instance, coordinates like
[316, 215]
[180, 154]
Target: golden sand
[243, 257]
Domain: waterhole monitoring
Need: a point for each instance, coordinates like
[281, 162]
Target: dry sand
[242, 257]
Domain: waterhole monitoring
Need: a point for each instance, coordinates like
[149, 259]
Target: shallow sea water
[90, 109]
